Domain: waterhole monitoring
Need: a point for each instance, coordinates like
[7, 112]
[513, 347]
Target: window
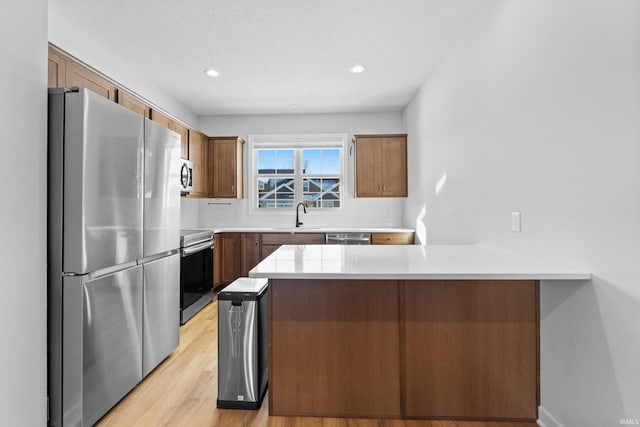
[289, 169]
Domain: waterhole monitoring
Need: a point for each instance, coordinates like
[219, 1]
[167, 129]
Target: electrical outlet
[515, 222]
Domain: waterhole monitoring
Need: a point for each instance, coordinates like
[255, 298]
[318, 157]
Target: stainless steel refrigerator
[113, 252]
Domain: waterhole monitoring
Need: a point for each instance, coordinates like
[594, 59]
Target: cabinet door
[217, 260]
[230, 257]
[268, 250]
[198, 155]
[161, 119]
[393, 168]
[392, 238]
[482, 336]
[250, 252]
[78, 75]
[223, 158]
[272, 241]
[132, 103]
[56, 70]
[184, 139]
[368, 165]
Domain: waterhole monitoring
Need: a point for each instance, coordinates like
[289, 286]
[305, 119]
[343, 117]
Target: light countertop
[304, 229]
[407, 262]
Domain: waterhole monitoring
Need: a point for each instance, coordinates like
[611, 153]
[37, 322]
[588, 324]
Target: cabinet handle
[384, 188]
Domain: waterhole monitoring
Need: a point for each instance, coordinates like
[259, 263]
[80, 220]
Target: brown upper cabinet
[197, 148]
[65, 72]
[132, 103]
[57, 70]
[161, 119]
[381, 165]
[225, 167]
[184, 138]
[81, 76]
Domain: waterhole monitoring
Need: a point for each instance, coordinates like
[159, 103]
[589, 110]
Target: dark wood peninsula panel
[335, 348]
[434, 349]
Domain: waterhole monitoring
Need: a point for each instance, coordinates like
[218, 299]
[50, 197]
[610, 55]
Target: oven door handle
[193, 249]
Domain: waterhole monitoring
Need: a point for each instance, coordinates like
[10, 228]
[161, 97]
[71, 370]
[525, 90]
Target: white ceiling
[273, 54]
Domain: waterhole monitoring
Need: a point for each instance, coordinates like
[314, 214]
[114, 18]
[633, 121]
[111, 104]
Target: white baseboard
[545, 419]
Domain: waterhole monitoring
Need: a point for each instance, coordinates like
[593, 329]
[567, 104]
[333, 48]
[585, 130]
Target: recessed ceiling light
[356, 69]
[211, 72]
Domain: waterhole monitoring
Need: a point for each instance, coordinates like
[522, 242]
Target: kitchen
[532, 109]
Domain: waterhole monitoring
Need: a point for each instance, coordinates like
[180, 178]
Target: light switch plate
[515, 222]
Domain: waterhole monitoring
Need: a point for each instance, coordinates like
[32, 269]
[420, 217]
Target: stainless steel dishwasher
[350, 238]
[243, 344]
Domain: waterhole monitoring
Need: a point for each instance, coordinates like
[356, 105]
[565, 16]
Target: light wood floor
[182, 391]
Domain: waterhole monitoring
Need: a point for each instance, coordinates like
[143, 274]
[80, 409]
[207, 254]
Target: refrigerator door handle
[110, 270]
[151, 258]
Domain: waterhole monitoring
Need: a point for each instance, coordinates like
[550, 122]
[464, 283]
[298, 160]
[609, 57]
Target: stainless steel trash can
[243, 344]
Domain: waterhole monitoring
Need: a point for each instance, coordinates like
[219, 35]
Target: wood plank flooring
[182, 391]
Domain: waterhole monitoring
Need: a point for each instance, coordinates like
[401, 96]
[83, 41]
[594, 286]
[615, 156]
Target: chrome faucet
[304, 208]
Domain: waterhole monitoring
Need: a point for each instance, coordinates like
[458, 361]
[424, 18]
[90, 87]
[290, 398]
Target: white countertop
[406, 262]
[304, 229]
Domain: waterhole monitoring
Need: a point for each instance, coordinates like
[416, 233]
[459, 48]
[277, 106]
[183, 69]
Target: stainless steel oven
[196, 272]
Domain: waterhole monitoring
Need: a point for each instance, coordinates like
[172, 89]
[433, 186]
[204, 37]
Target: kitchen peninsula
[406, 331]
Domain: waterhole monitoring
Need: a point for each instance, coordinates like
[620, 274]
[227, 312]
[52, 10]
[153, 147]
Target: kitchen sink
[296, 229]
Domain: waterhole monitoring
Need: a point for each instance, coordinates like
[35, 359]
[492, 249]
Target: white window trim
[338, 140]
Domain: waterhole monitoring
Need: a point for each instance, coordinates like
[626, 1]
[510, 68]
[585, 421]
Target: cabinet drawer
[392, 238]
[292, 238]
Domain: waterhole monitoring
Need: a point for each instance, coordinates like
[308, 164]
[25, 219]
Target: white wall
[69, 36]
[23, 119]
[356, 212]
[537, 110]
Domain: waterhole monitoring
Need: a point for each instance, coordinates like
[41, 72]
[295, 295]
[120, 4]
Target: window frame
[297, 142]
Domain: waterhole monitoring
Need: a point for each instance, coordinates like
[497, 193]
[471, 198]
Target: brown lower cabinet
[229, 258]
[405, 349]
[392, 238]
[237, 253]
[471, 349]
[272, 241]
[335, 348]
[249, 252]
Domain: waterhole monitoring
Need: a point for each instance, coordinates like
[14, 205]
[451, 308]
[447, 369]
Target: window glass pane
[311, 167]
[311, 153]
[266, 154]
[275, 192]
[284, 166]
[331, 153]
[330, 203]
[275, 188]
[321, 192]
[272, 162]
[321, 161]
[284, 161]
[266, 165]
[331, 166]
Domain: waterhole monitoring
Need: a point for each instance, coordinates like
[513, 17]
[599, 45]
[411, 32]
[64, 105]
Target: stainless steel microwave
[186, 176]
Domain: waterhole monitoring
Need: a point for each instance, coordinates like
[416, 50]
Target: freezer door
[101, 345]
[103, 155]
[161, 189]
[161, 308]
